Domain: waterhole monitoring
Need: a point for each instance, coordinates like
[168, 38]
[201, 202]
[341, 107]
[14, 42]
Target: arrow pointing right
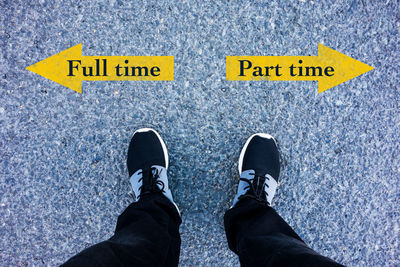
[329, 68]
[346, 67]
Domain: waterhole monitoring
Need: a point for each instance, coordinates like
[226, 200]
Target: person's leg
[260, 237]
[147, 232]
[255, 232]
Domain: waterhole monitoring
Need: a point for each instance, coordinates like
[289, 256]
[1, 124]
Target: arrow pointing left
[69, 68]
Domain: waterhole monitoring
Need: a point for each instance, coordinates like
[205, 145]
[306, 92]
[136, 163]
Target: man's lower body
[147, 232]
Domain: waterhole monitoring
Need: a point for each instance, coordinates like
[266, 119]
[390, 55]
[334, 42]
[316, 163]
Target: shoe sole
[142, 130]
[263, 135]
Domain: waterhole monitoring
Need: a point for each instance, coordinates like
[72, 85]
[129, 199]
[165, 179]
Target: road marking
[329, 68]
[69, 68]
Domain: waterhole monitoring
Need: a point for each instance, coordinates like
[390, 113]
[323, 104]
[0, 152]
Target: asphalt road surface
[63, 177]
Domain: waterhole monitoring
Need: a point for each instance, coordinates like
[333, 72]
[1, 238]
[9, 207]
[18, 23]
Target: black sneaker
[147, 164]
[259, 169]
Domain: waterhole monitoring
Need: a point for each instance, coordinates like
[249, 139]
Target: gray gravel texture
[63, 178]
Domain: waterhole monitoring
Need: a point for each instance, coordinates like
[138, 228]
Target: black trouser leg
[147, 234]
[260, 237]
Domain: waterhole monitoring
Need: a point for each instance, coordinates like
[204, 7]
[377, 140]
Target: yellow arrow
[329, 68]
[70, 68]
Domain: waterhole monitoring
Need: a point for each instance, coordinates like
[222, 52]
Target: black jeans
[147, 234]
[260, 237]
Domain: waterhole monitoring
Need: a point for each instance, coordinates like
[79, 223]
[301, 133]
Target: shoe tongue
[260, 173]
[148, 182]
[263, 173]
[253, 173]
[258, 183]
